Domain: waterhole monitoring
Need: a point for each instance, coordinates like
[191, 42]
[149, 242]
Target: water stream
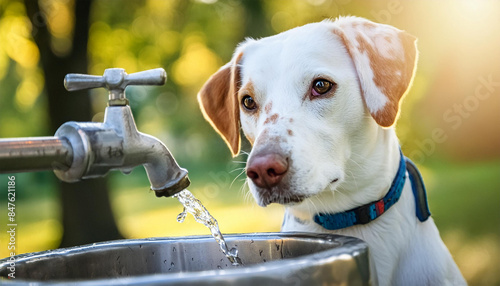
[193, 206]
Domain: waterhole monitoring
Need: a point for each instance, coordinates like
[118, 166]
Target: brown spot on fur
[266, 139]
[291, 120]
[268, 107]
[369, 25]
[289, 132]
[272, 119]
[278, 139]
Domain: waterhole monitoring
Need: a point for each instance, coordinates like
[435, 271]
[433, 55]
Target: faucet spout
[165, 175]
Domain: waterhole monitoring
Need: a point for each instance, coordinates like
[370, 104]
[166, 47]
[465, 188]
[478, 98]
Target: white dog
[317, 103]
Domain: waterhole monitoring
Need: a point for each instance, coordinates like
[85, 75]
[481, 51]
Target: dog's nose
[267, 170]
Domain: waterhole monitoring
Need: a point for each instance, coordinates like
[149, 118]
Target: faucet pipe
[35, 154]
[83, 150]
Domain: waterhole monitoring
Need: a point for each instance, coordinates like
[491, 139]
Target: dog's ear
[218, 99]
[385, 60]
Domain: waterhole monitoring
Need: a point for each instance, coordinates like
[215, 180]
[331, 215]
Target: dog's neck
[372, 168]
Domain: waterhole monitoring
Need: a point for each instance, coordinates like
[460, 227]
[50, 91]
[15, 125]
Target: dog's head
[305, 98]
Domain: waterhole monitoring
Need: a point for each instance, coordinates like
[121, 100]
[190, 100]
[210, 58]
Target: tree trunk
[256, 24]
[86, 211]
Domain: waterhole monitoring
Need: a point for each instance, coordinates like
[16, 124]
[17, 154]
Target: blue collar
[367, 213]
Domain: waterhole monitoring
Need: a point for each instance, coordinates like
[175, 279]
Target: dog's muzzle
[267, 170]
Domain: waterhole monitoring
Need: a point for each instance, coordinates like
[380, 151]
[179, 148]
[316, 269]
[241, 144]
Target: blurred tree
[256, 22]
[86, 210]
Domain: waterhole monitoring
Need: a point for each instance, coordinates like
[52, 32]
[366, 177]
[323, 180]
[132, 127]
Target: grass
[465, 204]
[467, 197]
[464, 200]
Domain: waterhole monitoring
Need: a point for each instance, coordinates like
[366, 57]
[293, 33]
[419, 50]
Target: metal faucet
[82, 150]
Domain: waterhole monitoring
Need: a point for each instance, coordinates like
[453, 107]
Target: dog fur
[340, 148]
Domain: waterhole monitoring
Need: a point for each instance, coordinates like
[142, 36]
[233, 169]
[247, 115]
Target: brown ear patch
[218, 101]
[391, 75]
[391, 55]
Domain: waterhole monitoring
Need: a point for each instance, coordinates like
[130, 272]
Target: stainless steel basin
[268, 258]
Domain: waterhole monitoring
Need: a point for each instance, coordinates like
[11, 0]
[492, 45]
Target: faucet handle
[115, 80]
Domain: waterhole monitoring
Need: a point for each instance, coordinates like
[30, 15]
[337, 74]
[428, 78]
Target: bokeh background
[449, 123]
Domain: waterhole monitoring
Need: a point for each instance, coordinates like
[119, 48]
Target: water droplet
[182, 216]
[173, 249]
[172, 264]
[218, 266]
[233, 251]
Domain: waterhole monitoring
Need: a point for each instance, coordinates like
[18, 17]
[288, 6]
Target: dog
[318, 104]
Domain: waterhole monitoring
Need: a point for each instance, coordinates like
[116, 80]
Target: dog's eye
[248, 102]
[321, 86]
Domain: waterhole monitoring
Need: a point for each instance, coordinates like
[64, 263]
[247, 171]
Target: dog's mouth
[279, 196]
[282, 196]
[282, 200]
